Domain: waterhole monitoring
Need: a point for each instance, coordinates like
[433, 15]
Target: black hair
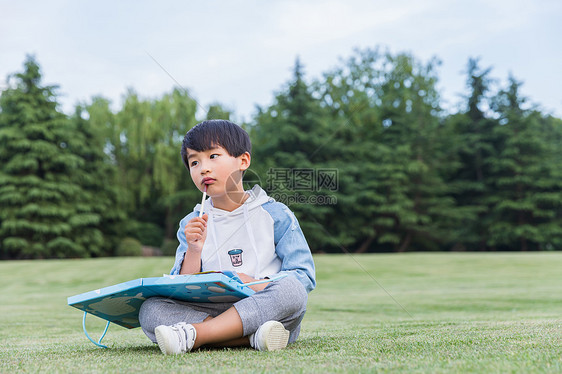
[216, 132]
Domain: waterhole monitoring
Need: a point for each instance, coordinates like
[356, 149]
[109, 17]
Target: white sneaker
[178, 338]
[270, 337]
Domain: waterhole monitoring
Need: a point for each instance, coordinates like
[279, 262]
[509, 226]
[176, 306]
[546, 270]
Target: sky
[240, 53]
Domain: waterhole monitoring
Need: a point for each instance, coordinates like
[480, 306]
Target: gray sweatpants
[283, 300]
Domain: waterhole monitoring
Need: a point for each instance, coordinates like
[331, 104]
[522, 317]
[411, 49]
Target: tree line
[365, 156]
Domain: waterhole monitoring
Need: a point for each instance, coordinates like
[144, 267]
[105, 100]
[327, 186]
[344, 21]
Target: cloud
[240, 54]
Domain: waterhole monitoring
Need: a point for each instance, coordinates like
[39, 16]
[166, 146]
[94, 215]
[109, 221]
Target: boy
[242, 231]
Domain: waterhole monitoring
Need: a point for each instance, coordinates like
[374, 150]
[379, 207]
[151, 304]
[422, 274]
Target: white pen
[203, 201]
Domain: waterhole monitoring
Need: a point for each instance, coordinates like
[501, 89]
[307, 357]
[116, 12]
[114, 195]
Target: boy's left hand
[247, 279]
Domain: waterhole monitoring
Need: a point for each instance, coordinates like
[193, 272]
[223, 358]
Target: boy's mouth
[208, 181]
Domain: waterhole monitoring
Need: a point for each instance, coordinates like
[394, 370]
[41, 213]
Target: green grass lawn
[454, 312]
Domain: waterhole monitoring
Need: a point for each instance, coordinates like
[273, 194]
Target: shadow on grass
[154, 349]
[148, 349]
[301, 344]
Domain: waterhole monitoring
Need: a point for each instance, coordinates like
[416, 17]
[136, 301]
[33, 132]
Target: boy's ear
[245, 160]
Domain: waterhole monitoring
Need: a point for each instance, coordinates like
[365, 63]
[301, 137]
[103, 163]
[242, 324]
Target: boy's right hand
[196, 233]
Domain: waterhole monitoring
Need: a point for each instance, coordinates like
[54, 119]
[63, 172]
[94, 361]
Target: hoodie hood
[261, 238]
[241, 240]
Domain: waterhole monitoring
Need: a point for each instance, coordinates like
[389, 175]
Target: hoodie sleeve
[291, 245]
[182, 247]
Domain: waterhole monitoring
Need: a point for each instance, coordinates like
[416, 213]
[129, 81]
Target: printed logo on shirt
[236, 257]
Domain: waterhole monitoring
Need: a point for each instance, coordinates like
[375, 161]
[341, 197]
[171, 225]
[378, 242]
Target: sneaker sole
[162, 340]
[276, 337]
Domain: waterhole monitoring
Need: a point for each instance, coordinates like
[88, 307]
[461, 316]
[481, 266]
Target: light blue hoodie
[261, 238]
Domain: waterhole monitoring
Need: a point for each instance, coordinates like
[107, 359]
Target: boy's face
[217, 169]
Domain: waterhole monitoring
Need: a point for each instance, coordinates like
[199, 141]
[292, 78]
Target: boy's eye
[214, 155]
[193, 163]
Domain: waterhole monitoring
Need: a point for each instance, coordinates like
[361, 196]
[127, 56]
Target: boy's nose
[205, 169]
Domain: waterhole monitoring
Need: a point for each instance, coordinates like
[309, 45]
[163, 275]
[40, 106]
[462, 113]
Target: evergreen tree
[526, 188]
[351, 94]
[290, 153]
[412, 158]
[44, 211]
[472, 142]
[97, 206]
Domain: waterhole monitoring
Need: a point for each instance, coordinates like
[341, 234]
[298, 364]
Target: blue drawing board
[120, 303]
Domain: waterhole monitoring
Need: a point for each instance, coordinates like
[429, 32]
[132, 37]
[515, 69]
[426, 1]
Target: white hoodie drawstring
[252, 239]
[250, 234]
[211, 230]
